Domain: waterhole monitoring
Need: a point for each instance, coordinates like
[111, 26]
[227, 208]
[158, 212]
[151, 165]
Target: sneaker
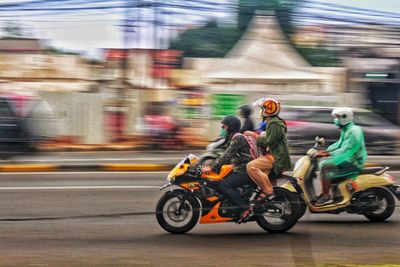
[323, 200]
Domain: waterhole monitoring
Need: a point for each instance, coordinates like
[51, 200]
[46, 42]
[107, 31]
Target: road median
[84, 167]
[119, 167]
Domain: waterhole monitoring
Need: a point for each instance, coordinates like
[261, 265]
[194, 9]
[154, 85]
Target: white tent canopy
[263, 56]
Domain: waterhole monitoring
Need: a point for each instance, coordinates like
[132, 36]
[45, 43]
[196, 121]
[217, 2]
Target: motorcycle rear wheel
[279, 223]
[176, 221]
[302, 206]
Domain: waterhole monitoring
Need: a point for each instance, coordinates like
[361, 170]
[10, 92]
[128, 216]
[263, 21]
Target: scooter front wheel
[279, 214]
[175, 216]
[386, 205]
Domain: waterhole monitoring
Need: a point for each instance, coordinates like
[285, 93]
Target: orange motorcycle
[197, 200]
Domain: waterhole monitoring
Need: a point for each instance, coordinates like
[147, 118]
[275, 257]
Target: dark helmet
[245, 110]
[233, 124]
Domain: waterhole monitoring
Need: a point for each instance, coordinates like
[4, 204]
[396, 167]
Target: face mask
[336, 121]
[223, 132]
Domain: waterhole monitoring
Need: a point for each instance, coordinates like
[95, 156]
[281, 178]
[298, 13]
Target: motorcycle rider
[237, 153]
[247, 123]
[273, 142]
[348, 154]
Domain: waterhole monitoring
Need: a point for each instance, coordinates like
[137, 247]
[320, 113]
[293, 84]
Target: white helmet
[345, 115]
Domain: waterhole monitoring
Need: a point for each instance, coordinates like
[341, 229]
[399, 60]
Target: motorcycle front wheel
[279, 214]
[175, 216]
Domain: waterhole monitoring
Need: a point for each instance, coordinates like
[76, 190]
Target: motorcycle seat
[279, 176]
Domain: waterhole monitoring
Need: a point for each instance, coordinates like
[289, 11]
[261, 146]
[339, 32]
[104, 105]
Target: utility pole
[121, 116]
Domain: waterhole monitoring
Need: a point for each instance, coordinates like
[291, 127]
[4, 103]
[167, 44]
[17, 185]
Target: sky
[87, 31]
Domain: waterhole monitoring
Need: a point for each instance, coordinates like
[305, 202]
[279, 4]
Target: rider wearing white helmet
[348, 154]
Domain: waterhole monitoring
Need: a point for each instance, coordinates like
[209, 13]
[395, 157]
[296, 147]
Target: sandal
[264, 195]
[246, 214]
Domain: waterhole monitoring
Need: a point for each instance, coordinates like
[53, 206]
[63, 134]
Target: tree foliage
[207, 41]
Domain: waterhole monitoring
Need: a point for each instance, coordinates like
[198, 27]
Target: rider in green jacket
[348, 154]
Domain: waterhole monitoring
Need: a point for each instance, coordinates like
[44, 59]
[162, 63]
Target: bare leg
[258, 170]
[326, 184]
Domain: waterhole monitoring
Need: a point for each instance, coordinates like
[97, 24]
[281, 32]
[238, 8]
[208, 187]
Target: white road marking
[16, 188]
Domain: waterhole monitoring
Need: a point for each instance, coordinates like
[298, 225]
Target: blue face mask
[223, 132]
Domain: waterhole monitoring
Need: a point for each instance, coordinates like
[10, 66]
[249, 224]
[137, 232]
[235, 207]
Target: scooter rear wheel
[386, 206]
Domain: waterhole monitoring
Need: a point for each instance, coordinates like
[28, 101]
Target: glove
[321, 154]
[205, 169]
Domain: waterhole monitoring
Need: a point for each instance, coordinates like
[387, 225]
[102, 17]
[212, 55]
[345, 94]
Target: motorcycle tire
[386, 206]
[174, 221]
[289, 203]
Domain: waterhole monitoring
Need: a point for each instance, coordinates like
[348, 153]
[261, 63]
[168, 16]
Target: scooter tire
[382, 194]
[290, 200]
[166, 215]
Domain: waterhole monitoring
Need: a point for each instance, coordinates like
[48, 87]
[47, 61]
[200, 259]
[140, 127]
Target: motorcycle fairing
[213, 215]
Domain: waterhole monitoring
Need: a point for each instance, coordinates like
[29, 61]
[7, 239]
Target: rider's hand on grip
[321, 153]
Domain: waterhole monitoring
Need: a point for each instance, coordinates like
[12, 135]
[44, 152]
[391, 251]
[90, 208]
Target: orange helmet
[270, 107]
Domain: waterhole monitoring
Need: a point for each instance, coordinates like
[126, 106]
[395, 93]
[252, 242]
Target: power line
[346, 8]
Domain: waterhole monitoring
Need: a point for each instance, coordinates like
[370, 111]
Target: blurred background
[159, 75]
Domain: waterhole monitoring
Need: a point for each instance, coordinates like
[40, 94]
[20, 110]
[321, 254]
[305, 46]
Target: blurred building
[371, 55]
[133, 78]
[26, 67]
[63, 80]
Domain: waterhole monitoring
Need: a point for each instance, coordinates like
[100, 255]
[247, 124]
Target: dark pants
[230, 183]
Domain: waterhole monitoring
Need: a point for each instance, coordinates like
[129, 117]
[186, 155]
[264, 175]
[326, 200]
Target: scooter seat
[371, 170]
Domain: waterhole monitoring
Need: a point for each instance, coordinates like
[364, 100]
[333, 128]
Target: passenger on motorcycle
[246, 121]
[273, 142]
[348, 154]
[237, 153]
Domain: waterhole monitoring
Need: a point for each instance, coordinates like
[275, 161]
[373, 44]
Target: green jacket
[350, 147]
[276, 143]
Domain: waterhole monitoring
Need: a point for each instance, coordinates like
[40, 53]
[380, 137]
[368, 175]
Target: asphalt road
[107, 219]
